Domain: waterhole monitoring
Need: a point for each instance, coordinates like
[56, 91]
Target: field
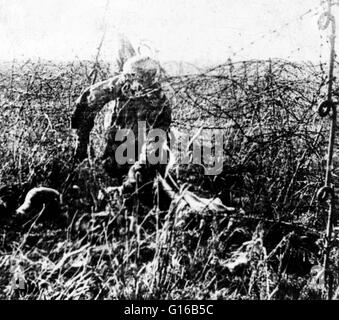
[274, 151]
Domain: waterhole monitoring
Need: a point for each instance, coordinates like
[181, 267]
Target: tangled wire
[274, 141]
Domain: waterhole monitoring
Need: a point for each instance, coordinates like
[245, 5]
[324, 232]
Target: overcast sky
[191, 30]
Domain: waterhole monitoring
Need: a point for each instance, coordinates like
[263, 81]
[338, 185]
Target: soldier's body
[138, 98]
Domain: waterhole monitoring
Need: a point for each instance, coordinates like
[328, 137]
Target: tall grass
[274, 151]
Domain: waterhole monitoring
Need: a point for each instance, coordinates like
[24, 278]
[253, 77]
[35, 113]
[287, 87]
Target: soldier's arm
[93, 99]
[88, 105]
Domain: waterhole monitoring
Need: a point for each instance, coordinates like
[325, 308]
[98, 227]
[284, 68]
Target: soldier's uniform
[138, 97]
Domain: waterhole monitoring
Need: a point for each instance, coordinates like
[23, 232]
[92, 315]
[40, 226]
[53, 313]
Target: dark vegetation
[274, 148]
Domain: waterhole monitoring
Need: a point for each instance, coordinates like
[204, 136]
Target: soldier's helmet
[142, 67]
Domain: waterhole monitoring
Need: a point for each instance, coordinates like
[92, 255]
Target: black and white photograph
[169, 150]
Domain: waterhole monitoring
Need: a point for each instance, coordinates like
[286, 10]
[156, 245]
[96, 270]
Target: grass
[274, 146]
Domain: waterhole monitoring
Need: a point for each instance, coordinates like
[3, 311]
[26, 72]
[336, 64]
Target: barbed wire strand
[328, 108]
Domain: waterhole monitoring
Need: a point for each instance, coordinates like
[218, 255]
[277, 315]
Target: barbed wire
[329, 109]
[277, 31]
